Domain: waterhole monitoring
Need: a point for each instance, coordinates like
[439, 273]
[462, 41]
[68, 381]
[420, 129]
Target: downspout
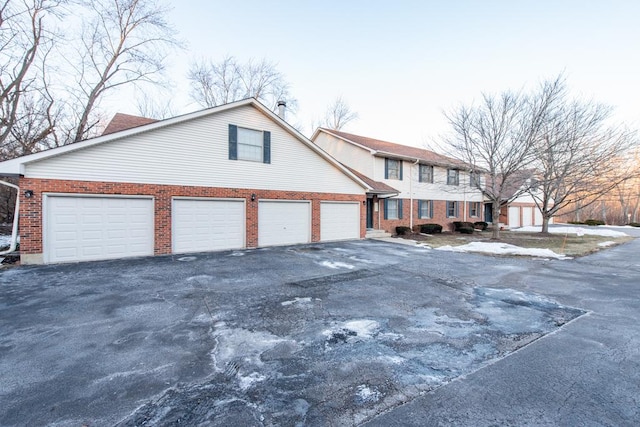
[14, 230]
[411, 194]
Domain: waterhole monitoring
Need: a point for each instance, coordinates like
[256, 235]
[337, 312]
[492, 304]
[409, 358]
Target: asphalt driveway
[326, 334]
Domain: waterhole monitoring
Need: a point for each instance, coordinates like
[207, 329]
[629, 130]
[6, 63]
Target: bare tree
[125, 42]
[152, 107]
[23, 40]
[338, 114]
[217, 83]
[579, 157]
[497, 137]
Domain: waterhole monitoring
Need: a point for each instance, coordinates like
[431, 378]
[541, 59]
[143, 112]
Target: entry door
[369, 213]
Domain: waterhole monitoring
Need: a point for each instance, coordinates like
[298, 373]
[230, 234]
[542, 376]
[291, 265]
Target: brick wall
[439, 216]
[31, 208]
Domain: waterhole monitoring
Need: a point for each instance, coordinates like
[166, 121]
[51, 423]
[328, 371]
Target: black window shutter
[400, 200]
[386, 176]
[386, 210]
[401, 162]
[420, 202]
[430, 208]
[233, 142]
[266, 147]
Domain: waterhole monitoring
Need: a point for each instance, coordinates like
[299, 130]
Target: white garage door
[527, 216]
[339, 221]
[95, 228]
[200, 225]
[537, 216]
[283, 223]
[514, 216]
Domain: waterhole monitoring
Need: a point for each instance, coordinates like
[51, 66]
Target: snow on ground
[580, 231]
[5, 241]
[606, 244]
[502, 249]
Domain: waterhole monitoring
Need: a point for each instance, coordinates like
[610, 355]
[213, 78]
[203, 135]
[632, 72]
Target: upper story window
[474, 179]
[393, 169]
[453, 177]
[425, 173]
[249, 144]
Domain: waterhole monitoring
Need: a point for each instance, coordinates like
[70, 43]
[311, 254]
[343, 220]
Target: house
[229, 177]
[409, 185]
[519, 208]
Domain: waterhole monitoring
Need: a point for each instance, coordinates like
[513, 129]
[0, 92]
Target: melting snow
[336, 265]
[502, 249]
[606, 244]
[366, 394]
[250, 380]
[297, 300]
[593, 231]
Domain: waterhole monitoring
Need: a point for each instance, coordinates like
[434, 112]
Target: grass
[570, 245]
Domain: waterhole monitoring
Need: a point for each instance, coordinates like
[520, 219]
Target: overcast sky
[400, 63]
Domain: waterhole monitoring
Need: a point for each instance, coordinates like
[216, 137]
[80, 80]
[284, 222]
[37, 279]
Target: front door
[369, 213]
[488, 212]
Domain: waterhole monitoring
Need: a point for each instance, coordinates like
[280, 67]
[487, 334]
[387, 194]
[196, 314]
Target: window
[393, 169]
[452, 209]
[425, 173]
[425, 209]
[474, 179]
[474, 209]
[453, 177]
[393, 209]
[249, 144]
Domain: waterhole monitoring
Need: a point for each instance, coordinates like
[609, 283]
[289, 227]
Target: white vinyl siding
[283, 223]
[96, 228]
[200, 225]
[339, 221]
[196, 153]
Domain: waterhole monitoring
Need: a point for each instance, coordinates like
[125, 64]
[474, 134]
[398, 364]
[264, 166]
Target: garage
[514, 216]
[201, 225]
[88, 228]
[283, 222]
[339, 221]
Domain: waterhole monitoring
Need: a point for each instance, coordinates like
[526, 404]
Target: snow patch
[365, 393]
[297, 300]
[580, 231]
[250, 380]
[502, 249]
[606, 244]
[336, 265]
[241, 344]
[187, 258]
[6, 241]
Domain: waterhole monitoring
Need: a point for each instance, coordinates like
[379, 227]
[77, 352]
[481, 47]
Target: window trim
[233, 144]
[457, 177]
[478, 209]
[455, 207]
[399, 208]
[428, 178]
[429, 207]
[386, 168]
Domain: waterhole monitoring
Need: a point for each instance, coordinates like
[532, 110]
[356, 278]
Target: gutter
[14, 230]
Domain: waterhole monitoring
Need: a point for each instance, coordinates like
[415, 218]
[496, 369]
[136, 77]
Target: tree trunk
[545, 224]
[495, 232]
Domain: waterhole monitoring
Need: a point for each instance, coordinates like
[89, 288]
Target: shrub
[634, 224]
[457, 225]
[431, 228]
[481, 225]
[466, 230]
[594, 222]
[402, 230]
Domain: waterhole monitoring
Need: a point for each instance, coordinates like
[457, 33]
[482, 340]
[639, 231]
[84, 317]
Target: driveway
[326, 334]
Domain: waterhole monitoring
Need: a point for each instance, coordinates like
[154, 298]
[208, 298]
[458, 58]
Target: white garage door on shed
[283, 222]
[200, 225]
[89, 228]
[339, 221]
[514, 216]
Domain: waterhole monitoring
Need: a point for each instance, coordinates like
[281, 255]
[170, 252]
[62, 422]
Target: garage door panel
[283, 223]
[201, 225]
[94, 228]
[339, 221]
[514, 216]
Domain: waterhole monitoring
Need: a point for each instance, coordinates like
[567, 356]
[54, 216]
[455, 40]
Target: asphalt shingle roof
[122, 121]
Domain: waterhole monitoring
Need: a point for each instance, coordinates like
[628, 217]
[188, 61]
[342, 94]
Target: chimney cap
[283, 103]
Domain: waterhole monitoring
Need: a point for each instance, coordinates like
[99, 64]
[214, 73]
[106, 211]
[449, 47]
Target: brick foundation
[31, 208]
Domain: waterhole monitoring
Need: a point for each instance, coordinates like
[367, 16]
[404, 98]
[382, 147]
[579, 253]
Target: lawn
[569, 244]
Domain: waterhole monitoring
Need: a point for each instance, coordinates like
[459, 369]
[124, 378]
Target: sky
[400, 64]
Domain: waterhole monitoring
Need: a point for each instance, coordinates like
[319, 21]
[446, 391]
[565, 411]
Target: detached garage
[88, 228]
[229, 177]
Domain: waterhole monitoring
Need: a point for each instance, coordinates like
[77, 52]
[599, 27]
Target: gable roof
[121, 121]
[378, 147]
[15, 167]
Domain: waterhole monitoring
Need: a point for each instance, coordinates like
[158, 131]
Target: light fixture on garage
[253, 197]
[28, 194]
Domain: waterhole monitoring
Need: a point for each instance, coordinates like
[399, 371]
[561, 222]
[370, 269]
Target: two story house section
[422, 186]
